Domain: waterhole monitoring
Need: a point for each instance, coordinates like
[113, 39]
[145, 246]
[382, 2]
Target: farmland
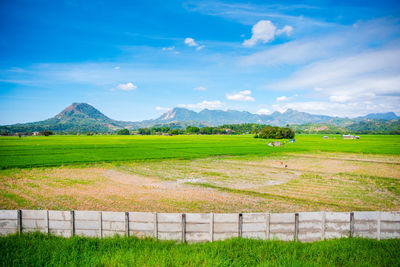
[200, 173]
[67, 150]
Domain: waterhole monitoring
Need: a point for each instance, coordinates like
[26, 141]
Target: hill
[78, 117]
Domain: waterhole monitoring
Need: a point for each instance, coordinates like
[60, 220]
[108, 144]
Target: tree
[144, 131]
[123, 132]
[270, 132]
[192, 129]
[46, 133]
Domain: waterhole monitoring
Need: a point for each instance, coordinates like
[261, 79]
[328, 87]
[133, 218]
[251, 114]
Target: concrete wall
[201, 227]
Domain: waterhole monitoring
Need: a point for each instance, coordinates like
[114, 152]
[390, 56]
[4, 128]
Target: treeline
[260, 131]
[230, 129]
[270, 132]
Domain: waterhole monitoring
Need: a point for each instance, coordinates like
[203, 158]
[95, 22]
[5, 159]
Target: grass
[41, 151]
[47, 250]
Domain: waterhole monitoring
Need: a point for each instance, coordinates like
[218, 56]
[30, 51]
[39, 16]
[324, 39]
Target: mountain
[78, 117]
[211, 117]
[381, 116]
[82, 118]
[219, 117]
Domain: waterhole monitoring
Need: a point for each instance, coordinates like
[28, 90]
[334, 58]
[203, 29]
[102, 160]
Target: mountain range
[82, 117]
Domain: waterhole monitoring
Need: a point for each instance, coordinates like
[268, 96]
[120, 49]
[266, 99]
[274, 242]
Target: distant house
[348, 136]
[275, 143]
[35, 133]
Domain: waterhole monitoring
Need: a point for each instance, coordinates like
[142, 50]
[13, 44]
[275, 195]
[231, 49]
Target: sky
[134, 60]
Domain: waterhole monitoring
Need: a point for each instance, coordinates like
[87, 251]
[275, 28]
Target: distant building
[35, 133]
[325, 137]
[348, 136]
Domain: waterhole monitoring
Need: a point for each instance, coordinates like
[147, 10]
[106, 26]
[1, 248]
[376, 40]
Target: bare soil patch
[318, 181]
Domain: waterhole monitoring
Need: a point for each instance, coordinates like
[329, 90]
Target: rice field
[39, 151]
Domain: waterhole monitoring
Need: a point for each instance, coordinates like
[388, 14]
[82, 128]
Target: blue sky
[134, 60]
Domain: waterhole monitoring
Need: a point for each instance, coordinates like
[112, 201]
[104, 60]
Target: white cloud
[162, 109]
[168, 48]
[203, 105]
[281, 98]
[263, 31]
[372, 73]
[241, 96]
[200, 88]
[343, 41]
[126, 86]
[285, 30]
[200, 47]
[263, 111]
[340, 98]
[116, 68]
[190, 42]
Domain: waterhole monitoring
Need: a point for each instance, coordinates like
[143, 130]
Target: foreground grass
[40, 151]
[42, 250]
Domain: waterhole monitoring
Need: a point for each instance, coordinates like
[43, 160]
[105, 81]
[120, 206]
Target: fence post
[183, 227]
[240, 224]
[155, 225]
[296, 226]
[19, 221]
[351, 224]
[211, 227]
[323, 225]
[267, 225]
[378, 226]
[72, 223]
[47, 222]
[127, 224]
[101, 224]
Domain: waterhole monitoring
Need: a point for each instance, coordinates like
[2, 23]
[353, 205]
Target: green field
[65, 150]
[43, 250]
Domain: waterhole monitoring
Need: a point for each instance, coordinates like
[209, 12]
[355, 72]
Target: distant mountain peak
[81, 110]
[382, 116]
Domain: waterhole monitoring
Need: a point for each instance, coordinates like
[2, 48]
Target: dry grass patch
[318, 181]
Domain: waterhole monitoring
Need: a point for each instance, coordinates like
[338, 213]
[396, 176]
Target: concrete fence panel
[34, 220]
[337, 224]
[88, 223]
[255, 225]
[142, 224]
[113, 223]
[170, 226]
[282, 226]
[8, 222]
[60, 223]
[389, 225]
[311, 226]
[366, 224]
[199, 227]
[226, 225]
